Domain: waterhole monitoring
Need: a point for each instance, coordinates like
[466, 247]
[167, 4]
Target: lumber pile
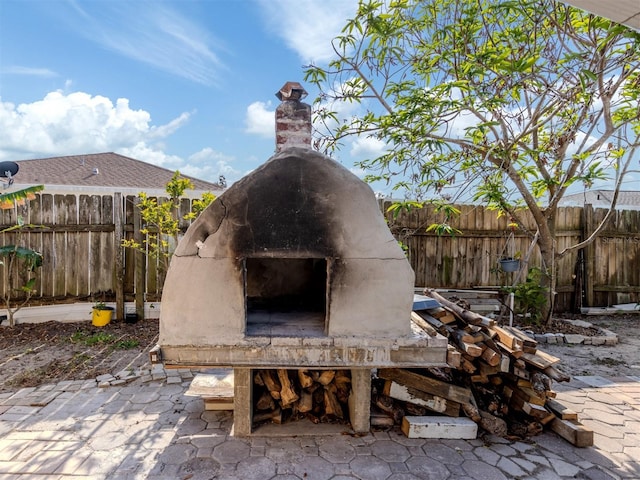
[282, 395]
[496, 376]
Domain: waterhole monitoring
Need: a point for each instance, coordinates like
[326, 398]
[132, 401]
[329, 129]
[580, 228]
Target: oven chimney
[293, 118]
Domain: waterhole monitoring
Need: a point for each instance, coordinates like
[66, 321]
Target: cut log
[435, 323]
[275, 416]
[326, 377]
[426, 384]
[514, 353]
[288, 396]
[332, 406]
[556, 375]
[442, 314]
[454, 358]
[573, 432]
[387, 405]
[270, 380]
[490, 356]
[305, 378]
[507, 338]
[468, 316]
[265, 402]
[493, 424]
[423, 324]
[305, 404]
[527, 341]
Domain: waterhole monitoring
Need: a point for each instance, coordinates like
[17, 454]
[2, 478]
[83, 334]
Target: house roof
[627, 199]
[100, 170]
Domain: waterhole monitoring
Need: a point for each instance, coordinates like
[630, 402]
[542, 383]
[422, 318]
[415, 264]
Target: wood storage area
[286, 395]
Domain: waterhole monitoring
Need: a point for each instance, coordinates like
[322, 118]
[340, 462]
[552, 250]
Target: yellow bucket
[100, 318]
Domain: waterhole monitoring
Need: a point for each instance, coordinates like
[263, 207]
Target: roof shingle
[100, 170]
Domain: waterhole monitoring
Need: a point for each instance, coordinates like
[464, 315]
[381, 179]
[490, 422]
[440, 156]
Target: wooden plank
[432, 402]
[424, 325]
[526, 339]
[573, 432]
[426, 384]
[507, 338]
[540, 359]
[439, 427]
[561, 411]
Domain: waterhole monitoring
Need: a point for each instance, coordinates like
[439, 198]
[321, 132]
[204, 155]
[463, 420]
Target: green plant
[101, 306]
[101, 338]
[20, 263]
[127, 344]
[161, 226]
[530, 297]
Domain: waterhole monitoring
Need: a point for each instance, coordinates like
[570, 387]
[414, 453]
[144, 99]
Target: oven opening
[286, 296]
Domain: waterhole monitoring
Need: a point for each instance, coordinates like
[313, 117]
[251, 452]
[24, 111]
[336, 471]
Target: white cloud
[368, 147]
[209, 164]
[151, 33]
[29, 71]
[260, 120]
[66, 124]
[308, 26]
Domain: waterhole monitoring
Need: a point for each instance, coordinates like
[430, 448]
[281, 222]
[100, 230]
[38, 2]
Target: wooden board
[215, 387]
[426, 384]
[439, 427]
[560, 410]
[573, 432]
[412, 395]
[540, 359]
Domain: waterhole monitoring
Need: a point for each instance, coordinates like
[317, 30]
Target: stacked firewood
[287, 395]
[496, 376]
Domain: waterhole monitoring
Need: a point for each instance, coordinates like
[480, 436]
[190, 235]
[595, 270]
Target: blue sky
[188, 85]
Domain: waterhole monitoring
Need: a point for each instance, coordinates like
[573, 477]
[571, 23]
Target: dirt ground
[35, 354]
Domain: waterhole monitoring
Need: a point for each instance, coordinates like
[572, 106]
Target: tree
[161, 221]
[20, 263]
[505, 102]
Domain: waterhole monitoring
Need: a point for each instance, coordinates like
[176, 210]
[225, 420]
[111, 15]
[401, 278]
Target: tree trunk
[548, 278]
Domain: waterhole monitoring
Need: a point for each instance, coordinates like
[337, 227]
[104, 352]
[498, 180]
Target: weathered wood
[306, 402]
[418, 320]
[561, 411]
[507, 338]
[439, 427]
[326, 377]
[288, 396]
[265, 402]
[426, 384]
[467, 315]
[270, 380]
[432, 402]
[556, 375]
[454, 358]
[540, 359]
[332, 406]
[573, 431]
[304, 378]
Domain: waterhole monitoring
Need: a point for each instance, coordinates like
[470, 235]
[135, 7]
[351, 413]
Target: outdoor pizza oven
[292, 266]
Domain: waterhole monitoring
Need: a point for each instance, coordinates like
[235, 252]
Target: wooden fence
[605, 273]
[79, 237]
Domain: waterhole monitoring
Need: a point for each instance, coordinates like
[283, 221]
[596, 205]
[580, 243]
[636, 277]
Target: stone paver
[140, 425]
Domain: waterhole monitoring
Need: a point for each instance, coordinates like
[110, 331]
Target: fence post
[140, 274]
[589, 254]
[118, 234]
